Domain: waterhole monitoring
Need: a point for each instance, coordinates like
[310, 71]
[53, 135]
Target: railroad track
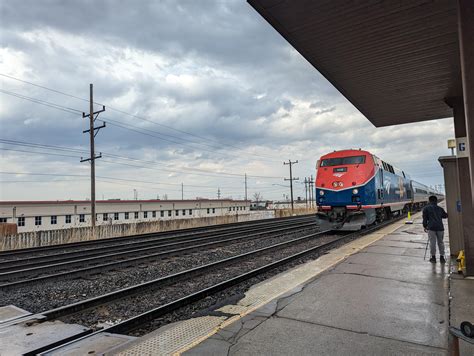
[36, 255]
[28, 253]
[88, 311]
[149, 290]
[89, 261]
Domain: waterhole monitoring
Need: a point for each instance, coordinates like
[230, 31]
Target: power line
[107, 161]
[129, 114]
[137, 130]
[105, 180]
[102, 177]
[130, 127]
[42, 102]
[44, 153]
[161, 183]
[113, 162]
[44, 181]
[170, 169]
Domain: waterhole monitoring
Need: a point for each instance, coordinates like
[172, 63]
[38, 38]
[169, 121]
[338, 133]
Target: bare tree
[257, 197]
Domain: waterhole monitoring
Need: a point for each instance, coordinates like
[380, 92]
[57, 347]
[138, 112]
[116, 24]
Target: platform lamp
[452, 145]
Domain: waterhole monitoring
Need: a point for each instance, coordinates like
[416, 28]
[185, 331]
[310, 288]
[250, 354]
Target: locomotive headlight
[321, 192]
[341, 184]
[334, 184]
[355, 191]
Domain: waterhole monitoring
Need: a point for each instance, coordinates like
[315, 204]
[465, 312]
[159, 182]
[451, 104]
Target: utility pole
[291, 181]
[182, 191]
[306, 191]
[92, 133]
[245, 186]
[218, 193]
[311, 191]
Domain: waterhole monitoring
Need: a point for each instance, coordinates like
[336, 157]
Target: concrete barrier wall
[8, 229]
[55, 237]
[281, 213]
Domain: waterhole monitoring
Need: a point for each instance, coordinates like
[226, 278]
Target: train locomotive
[355, 189]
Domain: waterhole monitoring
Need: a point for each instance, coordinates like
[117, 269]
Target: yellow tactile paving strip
[187, 334]
[175, 337]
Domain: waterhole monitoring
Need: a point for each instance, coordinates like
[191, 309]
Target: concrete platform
[21, 338]
[381, 300]
[99, 344]
[11, 312]
[373, 296]
[462, 306]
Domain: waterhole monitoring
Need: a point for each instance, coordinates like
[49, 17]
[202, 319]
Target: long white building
[51, 215]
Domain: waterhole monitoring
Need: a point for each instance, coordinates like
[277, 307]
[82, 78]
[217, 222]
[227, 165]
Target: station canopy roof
[395, 61]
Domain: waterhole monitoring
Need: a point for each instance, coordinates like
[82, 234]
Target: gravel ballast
[128, 307]
[122, 254]
[47, 295]
[231, 295]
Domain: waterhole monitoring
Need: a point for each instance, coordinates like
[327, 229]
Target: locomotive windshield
[342, 161]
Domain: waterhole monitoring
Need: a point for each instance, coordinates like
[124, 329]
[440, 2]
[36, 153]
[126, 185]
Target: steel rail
[146, 317]
[166, 280]
[127, 262]
[12, 265]
[152, 235]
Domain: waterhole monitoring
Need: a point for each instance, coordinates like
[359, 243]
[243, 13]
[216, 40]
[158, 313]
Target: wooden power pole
[245, 186]
[291, 181]
[92, 132]
[306, 191]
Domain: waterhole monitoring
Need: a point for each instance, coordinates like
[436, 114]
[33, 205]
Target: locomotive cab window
[340, 161]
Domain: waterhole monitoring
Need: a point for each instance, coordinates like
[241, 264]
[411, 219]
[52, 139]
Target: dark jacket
[433, 216]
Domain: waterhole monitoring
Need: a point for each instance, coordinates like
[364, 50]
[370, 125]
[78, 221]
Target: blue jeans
[436, 237]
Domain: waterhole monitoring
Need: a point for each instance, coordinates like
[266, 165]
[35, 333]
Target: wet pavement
[384, 299]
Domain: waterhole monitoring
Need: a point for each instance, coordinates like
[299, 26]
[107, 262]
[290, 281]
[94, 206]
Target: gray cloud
[214, 69]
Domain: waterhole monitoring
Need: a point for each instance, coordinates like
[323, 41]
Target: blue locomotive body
[355, 188]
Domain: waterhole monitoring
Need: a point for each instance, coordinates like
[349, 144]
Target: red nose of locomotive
[344, 169]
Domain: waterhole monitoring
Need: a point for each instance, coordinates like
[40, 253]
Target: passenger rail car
[355, 188]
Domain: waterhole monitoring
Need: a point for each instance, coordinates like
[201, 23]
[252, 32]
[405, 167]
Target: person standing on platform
[433, 216]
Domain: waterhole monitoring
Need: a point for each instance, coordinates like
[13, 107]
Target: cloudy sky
[196, 92]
